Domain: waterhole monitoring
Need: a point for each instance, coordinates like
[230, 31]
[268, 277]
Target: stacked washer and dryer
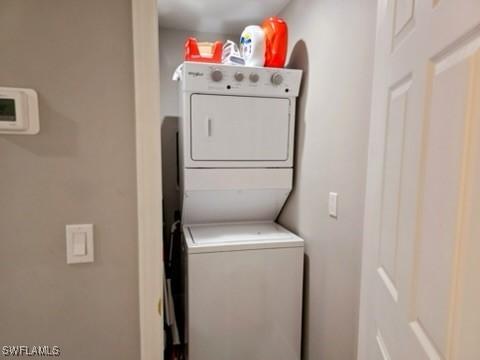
[244, 272]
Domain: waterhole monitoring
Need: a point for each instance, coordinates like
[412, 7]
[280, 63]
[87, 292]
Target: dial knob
[254, 77]
[238, 76]
[277, 79]
[216, 75]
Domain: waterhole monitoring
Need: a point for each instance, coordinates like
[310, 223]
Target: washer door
[239, 128]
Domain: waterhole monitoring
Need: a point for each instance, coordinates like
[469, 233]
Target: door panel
[419, 297]
[404, 20]
[441, 195]
[392, 176]
[382, 351]
[239, 128]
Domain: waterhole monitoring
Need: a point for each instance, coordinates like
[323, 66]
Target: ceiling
[221, 16]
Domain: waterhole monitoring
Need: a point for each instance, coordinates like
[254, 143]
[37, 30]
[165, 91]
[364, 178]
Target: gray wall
[333, 42]
[171, 47]
[79, 169]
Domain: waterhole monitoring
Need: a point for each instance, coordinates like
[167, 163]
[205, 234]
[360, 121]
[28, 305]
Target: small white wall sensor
[19, 111]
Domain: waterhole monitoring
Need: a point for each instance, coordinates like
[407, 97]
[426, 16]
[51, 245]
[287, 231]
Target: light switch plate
[79, 243]
[332, 204]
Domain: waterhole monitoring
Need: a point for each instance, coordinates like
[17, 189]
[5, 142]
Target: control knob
[277, 79]
[216, 75]
[254, 77]
[238, 76]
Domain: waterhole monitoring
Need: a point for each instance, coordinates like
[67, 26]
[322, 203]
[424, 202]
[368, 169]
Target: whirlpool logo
[195, 74]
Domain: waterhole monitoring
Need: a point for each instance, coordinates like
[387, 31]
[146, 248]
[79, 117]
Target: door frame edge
[368, 249]
[149, 177]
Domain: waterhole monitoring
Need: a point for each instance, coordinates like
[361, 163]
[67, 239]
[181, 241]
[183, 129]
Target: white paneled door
[421, 261]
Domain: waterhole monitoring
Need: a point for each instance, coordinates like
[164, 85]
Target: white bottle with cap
[252, 45]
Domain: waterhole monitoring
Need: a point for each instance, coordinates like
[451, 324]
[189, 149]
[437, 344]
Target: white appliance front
[232, 123]
[239, 128]
[202, 238]
[244, 273]
[226, 195]
[236, 141]
[244, 292]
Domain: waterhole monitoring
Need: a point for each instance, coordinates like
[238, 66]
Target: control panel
[240, 80]
[19, 111]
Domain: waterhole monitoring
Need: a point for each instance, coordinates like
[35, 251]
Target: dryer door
[239, 128]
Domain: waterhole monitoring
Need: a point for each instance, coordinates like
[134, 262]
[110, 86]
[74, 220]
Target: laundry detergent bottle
[252, 45]
[276, 41]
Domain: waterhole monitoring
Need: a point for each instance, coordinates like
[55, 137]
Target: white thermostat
[19, 111]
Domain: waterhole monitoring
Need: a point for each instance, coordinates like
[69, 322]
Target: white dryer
[244, 271]
[237, 128]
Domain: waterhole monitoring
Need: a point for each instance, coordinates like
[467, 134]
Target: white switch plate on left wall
[79, 243]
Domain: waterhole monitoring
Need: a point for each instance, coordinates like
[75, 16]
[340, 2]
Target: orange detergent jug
[276, 41]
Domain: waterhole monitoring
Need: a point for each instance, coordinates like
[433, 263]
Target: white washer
[244, 272]
[244, 291]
